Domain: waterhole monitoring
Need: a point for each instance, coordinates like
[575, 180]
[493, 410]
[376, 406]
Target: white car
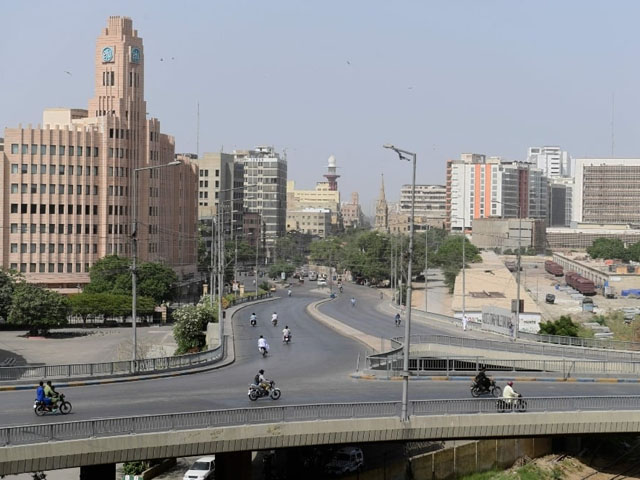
[202, 469]
[322, 282]
[345, 460]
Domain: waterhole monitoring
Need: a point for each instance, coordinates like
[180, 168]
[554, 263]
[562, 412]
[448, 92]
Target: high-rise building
[430, 203]
[560, 201]
[483, 187]
[553, 161]
[221, 182]
[381, 222]
[607, 191]
[265, 191]
[68, 185]
[321, 197]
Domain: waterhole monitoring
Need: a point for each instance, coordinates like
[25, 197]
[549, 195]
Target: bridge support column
[105, 471]
[233, 466]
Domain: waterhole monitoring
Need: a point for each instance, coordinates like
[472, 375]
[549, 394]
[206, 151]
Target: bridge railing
[107, 369]
[108, 427]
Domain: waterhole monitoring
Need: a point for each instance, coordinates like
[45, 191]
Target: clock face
[107, 54]
[135, 55]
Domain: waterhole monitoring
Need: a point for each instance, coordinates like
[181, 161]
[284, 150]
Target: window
[95, 190]
[95, 152]
[23, 248]
[61, 189]
[14, 228]
[34, 168]
[69, 267]
[23, 208]
[14, 168]
[69, 229]
[33, 248]
[51, 268]
[43, 248]
[14, 248]
[70, 189]
[14, 188]
[87, 151]
[61, 248]
[23, 267]
[71, 150]
[79, 151]
[34, 188]
[52, 188]
[25, 168]
[79, 169]
[14, 208]
[41, 268]
[52, 149]
[34, 149]
[95, 211]
[43, 149]
[61, 149]
[43, 188]
[25, 149]
[14, 148]
[70, 169]
[52, 248]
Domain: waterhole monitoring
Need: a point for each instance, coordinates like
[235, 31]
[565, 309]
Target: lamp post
[134, 252]
[426, 268]
[411, 157]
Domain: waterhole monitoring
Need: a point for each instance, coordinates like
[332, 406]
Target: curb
[461, 378]
[228, 359]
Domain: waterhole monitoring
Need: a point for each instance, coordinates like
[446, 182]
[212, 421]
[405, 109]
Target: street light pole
[426, 268]
[409, 156]
[517, 325]
[134, 255]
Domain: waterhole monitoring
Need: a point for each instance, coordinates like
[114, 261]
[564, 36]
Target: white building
[313, 221]
[430, 202]
[553, 161]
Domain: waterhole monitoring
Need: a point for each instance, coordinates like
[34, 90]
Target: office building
[607, 191]
[430, 203]
[68, 185]
[560, 201]
[483, 187]
[265, 191]
[553, 161]
[312, 221]
[352, 216]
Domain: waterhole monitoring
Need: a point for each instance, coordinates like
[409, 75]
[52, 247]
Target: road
[314, 368]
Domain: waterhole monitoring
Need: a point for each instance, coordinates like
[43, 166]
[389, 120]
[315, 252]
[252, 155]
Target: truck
[553, 268]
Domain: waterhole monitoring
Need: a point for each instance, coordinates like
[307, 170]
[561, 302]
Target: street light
[134, 250]
[411, 157]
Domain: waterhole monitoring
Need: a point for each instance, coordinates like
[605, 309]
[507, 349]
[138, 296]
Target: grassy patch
[530, 471]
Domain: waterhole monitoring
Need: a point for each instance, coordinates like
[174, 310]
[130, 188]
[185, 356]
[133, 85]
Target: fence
[601, 343]
[55, 432]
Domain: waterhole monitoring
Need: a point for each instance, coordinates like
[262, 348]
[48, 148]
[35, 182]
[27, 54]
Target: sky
[344, 77]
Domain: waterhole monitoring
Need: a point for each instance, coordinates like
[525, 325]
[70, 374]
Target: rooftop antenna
[613, 109]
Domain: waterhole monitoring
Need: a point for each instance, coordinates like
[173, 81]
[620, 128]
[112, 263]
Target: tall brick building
[67, 185]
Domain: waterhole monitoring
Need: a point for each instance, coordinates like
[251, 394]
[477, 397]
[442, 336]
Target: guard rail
[85, 429]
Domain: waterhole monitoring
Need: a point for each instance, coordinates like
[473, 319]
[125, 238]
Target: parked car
[322, 282]
[202, 469]
[345, 460]
[550, 298]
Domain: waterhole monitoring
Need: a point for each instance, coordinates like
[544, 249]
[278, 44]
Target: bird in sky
[67, 72]
[348, 62]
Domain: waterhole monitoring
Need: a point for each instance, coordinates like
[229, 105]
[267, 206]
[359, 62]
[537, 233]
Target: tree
[7, 284]
[38, 309]
[189, 326]
[449, 257]
[563, 326]
[277, 268]
[109, 305]
[156, 280]
[608, 248]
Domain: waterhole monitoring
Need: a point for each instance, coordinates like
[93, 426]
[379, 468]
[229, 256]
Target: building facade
[265, 191]
[68, 186]
[509, 234]
[352, 216]
[553, 161]
[484, 187]
[430, 203]
[312, 221]
[607, 191]
[321, 197]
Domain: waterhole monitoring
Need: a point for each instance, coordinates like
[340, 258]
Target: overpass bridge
[51, 446]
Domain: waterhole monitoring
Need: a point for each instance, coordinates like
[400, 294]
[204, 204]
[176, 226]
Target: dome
[332, 161]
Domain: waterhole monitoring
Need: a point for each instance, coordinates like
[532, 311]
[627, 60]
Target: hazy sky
[343, 77]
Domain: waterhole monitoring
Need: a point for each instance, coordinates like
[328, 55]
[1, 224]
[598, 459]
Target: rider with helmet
[482, 380]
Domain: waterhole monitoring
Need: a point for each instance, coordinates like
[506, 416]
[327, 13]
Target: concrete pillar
[233, 466]
[105, 471]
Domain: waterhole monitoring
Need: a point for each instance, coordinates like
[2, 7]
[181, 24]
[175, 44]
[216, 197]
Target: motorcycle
[274, 321]
[289, 293]
[263, 351]
[60, 406]
[253, 322]
[517, 404]
[256, 391]
[477, 390]
[286, 338]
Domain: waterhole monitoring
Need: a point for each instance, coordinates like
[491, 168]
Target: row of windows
[205, 173]
[54, 169]
[118, 133]
[33, 248]
[33, 209]
[118, 210]
[24, 188]
[52, 209]
[41, 269]
[54, 150]
[88, 229]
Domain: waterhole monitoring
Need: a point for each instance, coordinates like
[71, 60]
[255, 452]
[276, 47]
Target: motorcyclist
[289, 292]
[353, 301]
[286, 333]
[482, 380]
[397, 319]
[509, 394]
[40, 396]
[274, 318]
[262, 343]
[252, 317]
[51, 394]
[261, 381]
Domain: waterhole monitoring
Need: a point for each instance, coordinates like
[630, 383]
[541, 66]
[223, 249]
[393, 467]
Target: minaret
[331, 174]
[382, 211]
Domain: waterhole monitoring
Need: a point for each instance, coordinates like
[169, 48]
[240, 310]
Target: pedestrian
[465, 319]
[511, 331]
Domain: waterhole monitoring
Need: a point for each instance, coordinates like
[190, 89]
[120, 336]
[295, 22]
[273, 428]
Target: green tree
[190, 322]
[608, 248]
[38, 309]
[277, 268]
[109, 305]
[7, 285]
[563, 326]
[110, 274]
[449, 257]
[156, 280]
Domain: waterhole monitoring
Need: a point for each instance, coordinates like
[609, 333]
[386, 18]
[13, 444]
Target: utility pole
[426, 268]
[212, 278]
[517, 325]
[464, 261]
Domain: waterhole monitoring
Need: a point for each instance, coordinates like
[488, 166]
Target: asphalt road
[314, 368]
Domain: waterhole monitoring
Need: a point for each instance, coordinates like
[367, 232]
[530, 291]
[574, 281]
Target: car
[202, 469]
[345, 460]
[322, 282]
[550, 298]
